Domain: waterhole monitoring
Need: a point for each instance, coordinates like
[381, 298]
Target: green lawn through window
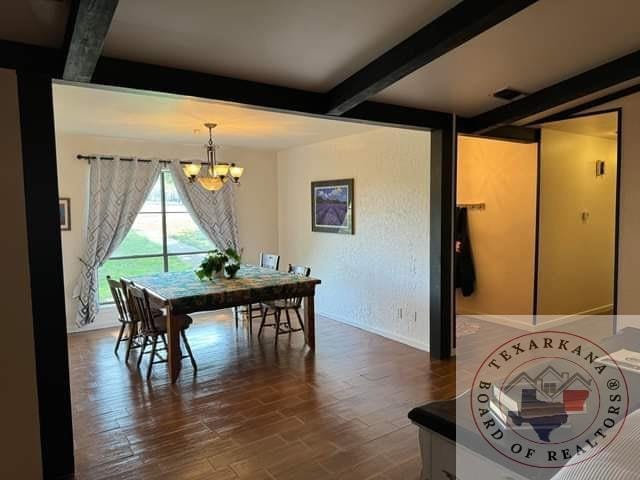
[182, 237]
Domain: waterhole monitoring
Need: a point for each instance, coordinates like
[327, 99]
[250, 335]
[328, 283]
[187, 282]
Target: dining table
[184, 293]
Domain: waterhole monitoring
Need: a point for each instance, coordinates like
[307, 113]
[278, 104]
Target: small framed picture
[332, 206]
[65, 214]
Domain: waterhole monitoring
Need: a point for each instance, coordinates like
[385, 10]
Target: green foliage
[217, 261]
[213, 263]
[133, 267]
[233, 254]
[231, 269]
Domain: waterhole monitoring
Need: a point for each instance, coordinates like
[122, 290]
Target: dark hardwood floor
[254, 411]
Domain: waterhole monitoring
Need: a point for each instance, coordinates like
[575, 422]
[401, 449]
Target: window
[163, 238]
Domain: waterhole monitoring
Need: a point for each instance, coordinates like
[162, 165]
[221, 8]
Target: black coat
[464, 272]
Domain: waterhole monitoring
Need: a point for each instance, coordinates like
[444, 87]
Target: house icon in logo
[544, 401]
[549, 387]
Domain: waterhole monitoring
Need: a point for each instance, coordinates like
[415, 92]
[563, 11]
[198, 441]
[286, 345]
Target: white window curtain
[117, 190]
[213, 212]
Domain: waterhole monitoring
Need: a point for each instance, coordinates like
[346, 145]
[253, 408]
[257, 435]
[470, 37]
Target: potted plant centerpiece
[216, 263]
[233, 264]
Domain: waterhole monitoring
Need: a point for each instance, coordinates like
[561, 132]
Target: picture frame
[65, 213]
[332, 206]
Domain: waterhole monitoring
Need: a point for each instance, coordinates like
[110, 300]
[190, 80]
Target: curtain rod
[130, 159]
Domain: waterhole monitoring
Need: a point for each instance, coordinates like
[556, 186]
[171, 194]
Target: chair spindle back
[302, 271]
[120, 298]
[141, 308]
[269, 260]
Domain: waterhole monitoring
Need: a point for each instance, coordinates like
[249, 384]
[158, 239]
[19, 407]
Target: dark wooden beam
[514, 133]
[399, 116]
[605, 76]
[30, 58]
[450, 30]
[569, 112]
[45, 269]
[87, 28]
[141, 76]
[112, 72]
[442, 208]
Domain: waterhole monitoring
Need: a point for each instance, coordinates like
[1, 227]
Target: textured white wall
[256, 198]
[367, 278]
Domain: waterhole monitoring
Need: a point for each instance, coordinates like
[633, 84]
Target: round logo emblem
[545, 398]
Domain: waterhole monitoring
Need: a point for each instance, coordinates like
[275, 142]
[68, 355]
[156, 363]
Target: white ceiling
[306, 44]
[547, 42]
[94, 111]
[603, 125]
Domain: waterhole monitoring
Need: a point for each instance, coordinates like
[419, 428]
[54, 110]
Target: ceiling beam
[87, 28]
[398, 115]
[450, 30]
[512, 133]
[569, 112]
[604, 76]
[30, 58]
[115, 73]
[142, 76]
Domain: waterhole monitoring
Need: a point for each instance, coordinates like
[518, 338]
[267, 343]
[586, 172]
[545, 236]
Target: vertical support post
[442, 210]
[35, 99]
[310, 321]
[174, 354]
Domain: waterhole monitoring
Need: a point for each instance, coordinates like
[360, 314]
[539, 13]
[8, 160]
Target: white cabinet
[443, 460]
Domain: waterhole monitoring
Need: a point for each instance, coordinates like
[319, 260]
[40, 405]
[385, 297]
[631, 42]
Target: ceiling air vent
[508, 94]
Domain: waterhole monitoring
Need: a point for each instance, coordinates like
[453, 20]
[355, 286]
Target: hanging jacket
[464, 272]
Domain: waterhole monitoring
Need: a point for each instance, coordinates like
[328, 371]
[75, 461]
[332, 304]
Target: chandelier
[217, 174]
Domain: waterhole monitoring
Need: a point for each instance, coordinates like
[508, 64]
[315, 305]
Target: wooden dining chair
[127, 323]
[276, 308]
[153, 328]
[267, 260]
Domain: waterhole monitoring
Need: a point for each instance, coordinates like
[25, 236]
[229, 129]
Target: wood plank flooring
[252, 410]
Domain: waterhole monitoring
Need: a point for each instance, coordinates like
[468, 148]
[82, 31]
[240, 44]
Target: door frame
[35, 97]
[616, 246]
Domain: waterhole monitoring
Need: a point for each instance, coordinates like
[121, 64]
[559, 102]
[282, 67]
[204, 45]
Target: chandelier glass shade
[211, 183]
[216, 174]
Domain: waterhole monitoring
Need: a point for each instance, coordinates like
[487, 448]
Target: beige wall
[256, 198]
[576, 257]
[629, 221]
[367, 278]
[503, 176]
[20, 439]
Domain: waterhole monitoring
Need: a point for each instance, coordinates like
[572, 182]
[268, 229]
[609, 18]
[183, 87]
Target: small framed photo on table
[332, 206]
[65, 213]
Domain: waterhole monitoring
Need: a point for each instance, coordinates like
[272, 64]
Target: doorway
[541, 224]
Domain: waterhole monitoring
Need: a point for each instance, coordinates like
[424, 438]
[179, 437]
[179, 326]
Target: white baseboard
[560, 320]
[424, 346]
[525, 322]
[504, 320]
[107, 317]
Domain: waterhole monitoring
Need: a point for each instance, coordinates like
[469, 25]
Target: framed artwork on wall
[332, 206]
[65, 213]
